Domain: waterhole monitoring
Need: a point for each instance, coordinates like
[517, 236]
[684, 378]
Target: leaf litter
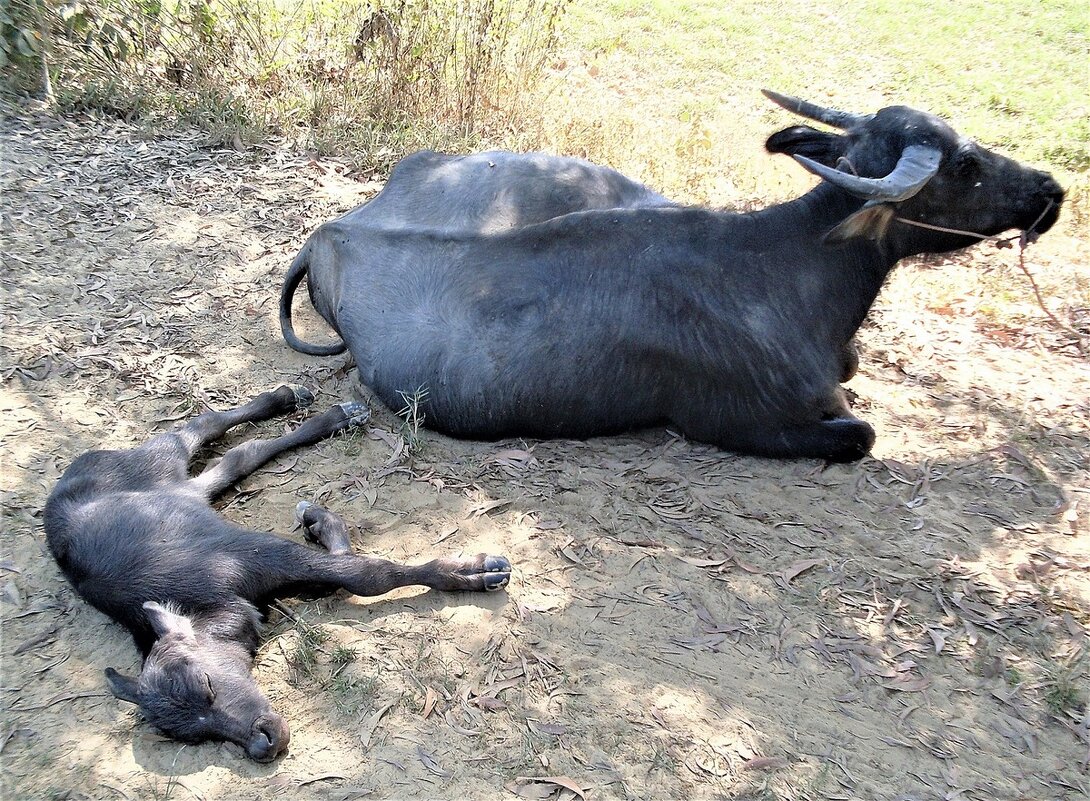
[922, 610]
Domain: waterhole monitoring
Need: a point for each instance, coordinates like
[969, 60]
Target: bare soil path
[682, 622]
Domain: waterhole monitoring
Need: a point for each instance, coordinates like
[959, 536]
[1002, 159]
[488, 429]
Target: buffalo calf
[139, 540]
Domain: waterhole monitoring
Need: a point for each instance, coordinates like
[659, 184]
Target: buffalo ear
[123, 687]
[165, 621]
[802, 140]
[870, 222]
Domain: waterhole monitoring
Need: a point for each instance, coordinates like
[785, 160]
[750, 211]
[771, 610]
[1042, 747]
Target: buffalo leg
[840, 439]
[244, 459]
[849, 361]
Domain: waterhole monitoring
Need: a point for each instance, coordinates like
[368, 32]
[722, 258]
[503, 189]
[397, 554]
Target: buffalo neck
[849, 274]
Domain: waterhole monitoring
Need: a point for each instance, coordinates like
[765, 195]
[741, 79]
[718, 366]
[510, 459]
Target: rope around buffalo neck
[1025, 239]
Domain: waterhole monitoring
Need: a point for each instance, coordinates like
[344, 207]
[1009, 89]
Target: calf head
[195, 687]
[911, 166]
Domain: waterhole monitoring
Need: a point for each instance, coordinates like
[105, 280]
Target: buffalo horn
[829, 116]
[917, 165]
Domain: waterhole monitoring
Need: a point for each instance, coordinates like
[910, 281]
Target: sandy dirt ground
[681, 623]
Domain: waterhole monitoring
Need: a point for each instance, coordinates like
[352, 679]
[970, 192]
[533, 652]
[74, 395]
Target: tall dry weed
[370, 79]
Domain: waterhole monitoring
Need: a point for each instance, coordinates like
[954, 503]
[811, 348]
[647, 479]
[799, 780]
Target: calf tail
[296, 273]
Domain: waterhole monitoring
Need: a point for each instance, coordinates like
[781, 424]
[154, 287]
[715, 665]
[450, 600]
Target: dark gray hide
[542, 296]
[138, 539]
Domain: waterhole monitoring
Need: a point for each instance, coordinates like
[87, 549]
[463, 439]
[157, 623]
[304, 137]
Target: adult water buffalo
[138, 539]
[546, 297]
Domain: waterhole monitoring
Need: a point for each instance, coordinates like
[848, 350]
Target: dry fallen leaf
[489, 703]
[514, 458]
[908, 685]
[798, 568]
[449, 717]
[764, 763]
[938, 638]
[699, 562]
[367, 730]
[430, 697]
[556, 729]
[519, 785]
[482, 509]
[533, 791]
[570, 554]
[428, 760]
[447, 533]
[325, 777]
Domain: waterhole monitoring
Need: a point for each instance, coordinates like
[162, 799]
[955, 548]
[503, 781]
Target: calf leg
[244, 459]
[364, 575]
[323, 527]
[171, 452]
[279, 568]
[369, 576]
[211, 425]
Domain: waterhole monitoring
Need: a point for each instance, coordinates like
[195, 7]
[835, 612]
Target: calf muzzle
[268, 739]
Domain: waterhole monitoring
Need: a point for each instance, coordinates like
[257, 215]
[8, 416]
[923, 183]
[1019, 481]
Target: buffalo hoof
[303, 396]
[356, 412]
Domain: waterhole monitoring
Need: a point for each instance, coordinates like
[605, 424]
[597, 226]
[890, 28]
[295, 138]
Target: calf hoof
[324, 528]
[356, 413]
[301, 509]
[303, 396]
[486, 573]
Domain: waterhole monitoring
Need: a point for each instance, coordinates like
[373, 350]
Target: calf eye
[211, 690]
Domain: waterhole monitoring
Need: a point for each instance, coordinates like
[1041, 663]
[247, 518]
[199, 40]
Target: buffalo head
[911, 167]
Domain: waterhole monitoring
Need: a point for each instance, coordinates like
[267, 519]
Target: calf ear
[802, 140]
[123, 687]
[164, 621]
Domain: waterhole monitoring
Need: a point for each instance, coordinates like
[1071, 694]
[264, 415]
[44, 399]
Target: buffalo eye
[210, 689]
[967, 161]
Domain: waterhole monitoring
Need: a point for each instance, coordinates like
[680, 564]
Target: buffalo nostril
[1050, 187]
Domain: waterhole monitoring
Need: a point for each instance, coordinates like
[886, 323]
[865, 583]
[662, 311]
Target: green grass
[304, 657]
[1064, 687]
[672, 88]
[664, 90]
[352, 694]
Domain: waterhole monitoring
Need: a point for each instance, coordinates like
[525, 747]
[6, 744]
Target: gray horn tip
[786, 101]
[817, 169]
[804, 108]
